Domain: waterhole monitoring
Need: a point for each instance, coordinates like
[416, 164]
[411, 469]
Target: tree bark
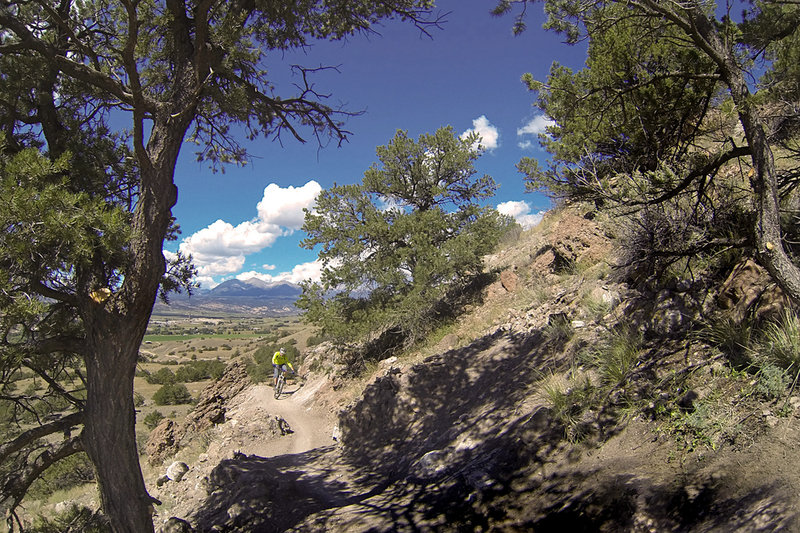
[115, 331]
[765, 186]
[109, 427]
[767, 231]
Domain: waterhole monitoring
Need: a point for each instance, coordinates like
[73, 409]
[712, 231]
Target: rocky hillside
[564, 400]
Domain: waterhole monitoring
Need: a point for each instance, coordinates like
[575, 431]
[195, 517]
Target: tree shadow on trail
[468, 396]
[459, 443]
[251, 493]
[462, 405]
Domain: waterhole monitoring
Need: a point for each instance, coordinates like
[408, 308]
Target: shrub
[163, 376]
[314, 340]
[172, 394]
[138, 399]
[70, 472]
[772, 381]
[200, 370]
[152, 419]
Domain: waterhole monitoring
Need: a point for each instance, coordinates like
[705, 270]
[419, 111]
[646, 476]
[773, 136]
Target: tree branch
[714, 164]
[72, 68]
[59, 426]
[16, 485]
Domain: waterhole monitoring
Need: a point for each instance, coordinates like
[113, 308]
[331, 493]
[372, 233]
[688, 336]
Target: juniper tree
[108, 92]
[394, 244]
[671, 93]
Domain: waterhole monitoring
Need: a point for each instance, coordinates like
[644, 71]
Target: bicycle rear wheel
[279, 386]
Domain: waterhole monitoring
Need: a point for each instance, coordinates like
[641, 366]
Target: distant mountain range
[251, 297]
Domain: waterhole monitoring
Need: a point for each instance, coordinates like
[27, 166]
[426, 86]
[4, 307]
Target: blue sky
[246, 222]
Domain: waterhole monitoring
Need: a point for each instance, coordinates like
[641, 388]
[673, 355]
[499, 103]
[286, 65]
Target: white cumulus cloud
[535, 126]
[221, 248]
[206, 282]
[489, 135]
[521, 212]
[311, 270]
[284, 207]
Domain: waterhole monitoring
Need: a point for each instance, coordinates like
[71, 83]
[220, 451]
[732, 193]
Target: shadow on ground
[461, 443]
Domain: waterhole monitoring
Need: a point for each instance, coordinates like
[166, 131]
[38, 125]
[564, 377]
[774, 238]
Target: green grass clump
[569, 399]
[734, 339]
[780, 342]
[617, 356]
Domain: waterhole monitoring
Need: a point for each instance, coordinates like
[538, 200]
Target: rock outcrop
[165, 440]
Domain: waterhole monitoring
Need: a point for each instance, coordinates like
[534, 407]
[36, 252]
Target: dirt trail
[309, 429]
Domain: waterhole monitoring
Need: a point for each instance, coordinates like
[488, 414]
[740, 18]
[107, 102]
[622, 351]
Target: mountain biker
[280, 362]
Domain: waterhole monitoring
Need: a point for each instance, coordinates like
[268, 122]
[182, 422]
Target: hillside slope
[517, 421]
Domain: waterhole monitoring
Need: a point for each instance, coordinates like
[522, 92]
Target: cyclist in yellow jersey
[280, 362]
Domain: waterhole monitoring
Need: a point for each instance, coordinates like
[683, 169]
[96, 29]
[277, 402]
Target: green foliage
[394, 245]
[626, 110]
[109, 93]
[76, 519]
[771, 381]
[314, 340]
[152, 419]
[651, 124]
[709, 424]
[198, 370]
[70, 472]
[163, 376]
[46, 226]
[172, 394]
[616, 356]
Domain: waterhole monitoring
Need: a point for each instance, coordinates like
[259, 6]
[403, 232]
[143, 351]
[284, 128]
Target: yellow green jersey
[279, 359]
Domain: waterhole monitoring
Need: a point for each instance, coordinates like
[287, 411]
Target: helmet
[283, 351]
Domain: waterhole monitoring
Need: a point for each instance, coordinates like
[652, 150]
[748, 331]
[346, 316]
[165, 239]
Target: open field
[175, 341]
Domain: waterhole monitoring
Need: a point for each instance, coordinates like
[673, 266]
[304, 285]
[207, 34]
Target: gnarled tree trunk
[115, 331]
[764, 180]
[109, 430]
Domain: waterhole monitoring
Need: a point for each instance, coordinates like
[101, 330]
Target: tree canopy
[96, 101]
[679, 102]
[393, 245]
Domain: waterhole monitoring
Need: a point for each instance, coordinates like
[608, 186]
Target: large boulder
[164, 441]
[750, 291]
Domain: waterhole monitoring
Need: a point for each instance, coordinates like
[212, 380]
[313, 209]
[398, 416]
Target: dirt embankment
[470, 439]
[465, 442]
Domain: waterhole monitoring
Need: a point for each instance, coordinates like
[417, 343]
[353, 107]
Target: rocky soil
[469, 439]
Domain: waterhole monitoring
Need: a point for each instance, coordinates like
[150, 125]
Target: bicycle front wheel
[279, 386]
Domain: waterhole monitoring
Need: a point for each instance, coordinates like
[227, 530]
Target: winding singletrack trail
[309, 429]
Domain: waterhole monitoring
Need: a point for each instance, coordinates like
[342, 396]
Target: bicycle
[281, 383]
